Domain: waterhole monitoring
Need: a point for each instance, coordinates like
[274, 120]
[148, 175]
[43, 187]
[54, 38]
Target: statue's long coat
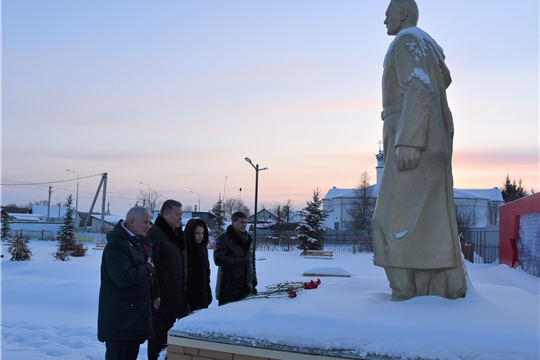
[415, 219]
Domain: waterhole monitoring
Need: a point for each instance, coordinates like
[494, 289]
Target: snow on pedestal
[354, 318]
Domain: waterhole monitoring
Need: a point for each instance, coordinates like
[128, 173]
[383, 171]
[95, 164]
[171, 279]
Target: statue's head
[400, 14]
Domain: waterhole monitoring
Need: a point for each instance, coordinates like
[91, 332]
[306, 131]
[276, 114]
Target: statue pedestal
[353, 318]
[183, 347]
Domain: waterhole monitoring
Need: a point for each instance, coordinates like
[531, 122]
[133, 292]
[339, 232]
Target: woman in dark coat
[199, 293]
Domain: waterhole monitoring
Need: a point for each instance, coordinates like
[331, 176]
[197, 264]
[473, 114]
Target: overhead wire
[53, 182]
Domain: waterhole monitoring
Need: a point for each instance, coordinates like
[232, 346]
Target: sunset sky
[175, 94]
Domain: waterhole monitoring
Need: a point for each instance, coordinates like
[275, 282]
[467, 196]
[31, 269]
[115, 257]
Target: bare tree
[467, 218]
[150, 200]
[232, 205]
[493, 212]
[283, 210]
[360, 220]
[188, 207]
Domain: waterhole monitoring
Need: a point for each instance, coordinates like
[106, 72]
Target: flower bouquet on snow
[285, 289]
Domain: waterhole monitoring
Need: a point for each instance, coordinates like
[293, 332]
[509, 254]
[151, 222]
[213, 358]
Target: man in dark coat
[233, 254]
[199, 293]
[124, 314]
[170, 260]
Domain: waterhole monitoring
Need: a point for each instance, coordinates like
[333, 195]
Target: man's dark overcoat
[234, 257]
[124, 312]
[170, 261]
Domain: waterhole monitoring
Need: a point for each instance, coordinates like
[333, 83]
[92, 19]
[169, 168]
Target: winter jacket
[125, 312]
[234, 257]
[170, 261]
[199, 293]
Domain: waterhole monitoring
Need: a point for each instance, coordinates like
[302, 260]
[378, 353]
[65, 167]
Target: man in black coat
[124, 314]
[233, 254]
[170, 288]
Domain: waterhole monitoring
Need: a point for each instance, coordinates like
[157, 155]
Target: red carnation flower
[310, 285]
[292, 293]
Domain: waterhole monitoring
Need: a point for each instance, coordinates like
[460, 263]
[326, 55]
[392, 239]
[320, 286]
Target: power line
[109, 181]
[53, 182]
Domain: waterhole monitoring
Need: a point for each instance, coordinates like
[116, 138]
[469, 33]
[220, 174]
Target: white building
[337, 202]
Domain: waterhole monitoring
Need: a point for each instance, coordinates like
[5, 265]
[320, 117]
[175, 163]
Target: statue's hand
[407, 157]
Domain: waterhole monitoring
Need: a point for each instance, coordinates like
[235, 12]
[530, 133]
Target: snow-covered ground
[49, 310]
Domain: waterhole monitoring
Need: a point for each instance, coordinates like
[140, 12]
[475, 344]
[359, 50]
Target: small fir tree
[512, 191]
[6, 228]
[67, 230]
[19, 250]
[311, 228]
[67, 243]
[219, 211]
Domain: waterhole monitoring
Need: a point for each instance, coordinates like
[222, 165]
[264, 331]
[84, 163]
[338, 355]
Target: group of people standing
[155, 274]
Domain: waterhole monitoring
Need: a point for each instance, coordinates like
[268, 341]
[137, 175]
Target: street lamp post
[76, 199]
[199, 198]
[224, 188]
[256, 167]
[149, 190]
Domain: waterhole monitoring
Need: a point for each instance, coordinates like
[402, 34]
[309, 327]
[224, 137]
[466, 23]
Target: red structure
[509, 226]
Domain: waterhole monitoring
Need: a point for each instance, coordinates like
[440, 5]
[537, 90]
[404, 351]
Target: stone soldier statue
[414, 225]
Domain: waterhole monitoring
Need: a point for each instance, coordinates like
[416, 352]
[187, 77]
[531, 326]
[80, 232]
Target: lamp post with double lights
[199, 198]
[76, 199]
[256, 167]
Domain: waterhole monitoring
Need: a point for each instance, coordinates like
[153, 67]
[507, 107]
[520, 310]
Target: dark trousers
[163, 322]
[122, 350]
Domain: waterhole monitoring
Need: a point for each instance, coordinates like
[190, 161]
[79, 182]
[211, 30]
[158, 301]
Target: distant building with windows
[483, 202]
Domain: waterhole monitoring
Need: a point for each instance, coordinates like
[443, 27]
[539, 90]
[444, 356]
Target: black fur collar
[238, 238]
[176, 236]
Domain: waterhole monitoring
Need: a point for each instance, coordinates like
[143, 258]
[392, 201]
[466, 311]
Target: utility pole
[104, 183]
[77, 223]
[49, 204]
[224, 187]
[104, 177]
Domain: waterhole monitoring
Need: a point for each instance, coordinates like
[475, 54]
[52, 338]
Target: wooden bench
[319, 254]
[100, 245]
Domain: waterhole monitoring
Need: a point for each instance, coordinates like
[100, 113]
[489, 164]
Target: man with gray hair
[124, 314]
[414, 225]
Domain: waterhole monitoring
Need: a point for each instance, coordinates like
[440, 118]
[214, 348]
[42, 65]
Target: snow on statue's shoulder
[423, 39]
[327, 271]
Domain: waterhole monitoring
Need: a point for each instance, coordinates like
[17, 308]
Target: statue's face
[393, 19]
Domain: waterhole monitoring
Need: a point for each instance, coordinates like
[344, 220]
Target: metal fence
[481, 246]
[338, 243]
[485, 245]
[33, 234]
